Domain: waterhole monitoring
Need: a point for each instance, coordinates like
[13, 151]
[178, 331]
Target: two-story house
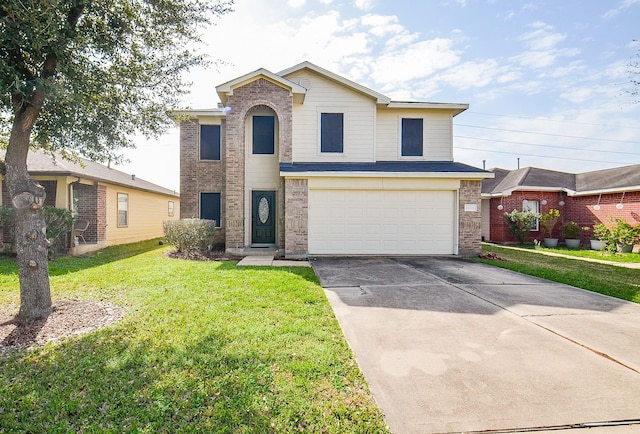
[310, 163]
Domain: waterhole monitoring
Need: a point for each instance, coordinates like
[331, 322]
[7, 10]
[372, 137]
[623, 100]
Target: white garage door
[381, 222]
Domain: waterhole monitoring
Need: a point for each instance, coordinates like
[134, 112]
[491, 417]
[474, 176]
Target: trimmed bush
[190, 235]
[520, 223]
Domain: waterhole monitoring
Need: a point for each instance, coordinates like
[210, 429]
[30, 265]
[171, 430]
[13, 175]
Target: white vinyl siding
[325, 96]
[437, 131]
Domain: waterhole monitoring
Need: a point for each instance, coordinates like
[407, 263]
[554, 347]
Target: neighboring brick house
[309, 163]
[119, 207]
[585, 198]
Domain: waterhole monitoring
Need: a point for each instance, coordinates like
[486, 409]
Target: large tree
[81, 77]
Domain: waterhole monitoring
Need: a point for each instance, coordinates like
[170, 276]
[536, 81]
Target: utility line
[547, 146]
[551, 120]
[548, 134]
[626, 163]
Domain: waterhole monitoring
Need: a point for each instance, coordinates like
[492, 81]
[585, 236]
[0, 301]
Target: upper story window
[332, 132]
[412, 137]
[123, 210]
[209, 142]
[263, 134]
[210, 207]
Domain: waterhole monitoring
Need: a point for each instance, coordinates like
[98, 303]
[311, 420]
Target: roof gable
[380, 98]
[226, 89]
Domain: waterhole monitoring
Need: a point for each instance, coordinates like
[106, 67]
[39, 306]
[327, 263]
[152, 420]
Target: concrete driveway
[448, 345]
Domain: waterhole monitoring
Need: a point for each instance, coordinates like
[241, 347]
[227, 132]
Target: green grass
[203, 347]
[592, 254]
[605, 279]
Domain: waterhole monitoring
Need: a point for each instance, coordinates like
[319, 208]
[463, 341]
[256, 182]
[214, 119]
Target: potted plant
[571, 232]
[625, 235]
[601, 234]
[548, 222]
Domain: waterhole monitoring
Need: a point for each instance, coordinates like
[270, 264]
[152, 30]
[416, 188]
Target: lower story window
[534, 207]
[210, 207]
[123, 210]
[171, 207]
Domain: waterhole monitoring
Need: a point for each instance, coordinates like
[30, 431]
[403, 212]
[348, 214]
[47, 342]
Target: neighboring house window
[210, 207]
[331, 132]
[76, 203]
[534, 207]
[263, 134]
[209, 142]
[412, 137]
[171, 206]
[123, 210]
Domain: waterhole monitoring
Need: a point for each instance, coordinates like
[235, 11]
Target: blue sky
[546, 81]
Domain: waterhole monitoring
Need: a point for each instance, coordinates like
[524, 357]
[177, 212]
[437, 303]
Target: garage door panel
[381, 222]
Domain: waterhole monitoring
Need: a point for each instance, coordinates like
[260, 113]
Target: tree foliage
[102, 70]
[80, 77]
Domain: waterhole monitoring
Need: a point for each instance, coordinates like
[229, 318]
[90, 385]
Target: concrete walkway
[449, 345]
[269, 261]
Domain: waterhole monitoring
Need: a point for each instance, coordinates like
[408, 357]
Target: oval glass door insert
[263, 210]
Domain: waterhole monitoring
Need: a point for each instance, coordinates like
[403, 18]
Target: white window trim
[345, 120]
[118, 209]
[526, 207]
[424, 139]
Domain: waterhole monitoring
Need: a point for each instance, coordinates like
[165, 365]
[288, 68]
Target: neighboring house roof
[39, 163]
[532, 178]
[422, 167]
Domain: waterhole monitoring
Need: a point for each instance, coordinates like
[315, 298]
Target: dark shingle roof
[533, 177]
[39, 163]
[383, 166]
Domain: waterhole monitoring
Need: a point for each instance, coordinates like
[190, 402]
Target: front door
[263, 217]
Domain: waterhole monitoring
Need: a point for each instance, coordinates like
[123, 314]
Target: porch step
[256, 261]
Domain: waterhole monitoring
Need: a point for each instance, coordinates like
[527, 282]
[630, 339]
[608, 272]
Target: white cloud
[622, 6]
[364, 5]
[296, 3]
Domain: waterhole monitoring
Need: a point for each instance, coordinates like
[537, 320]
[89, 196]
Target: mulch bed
[68, 318]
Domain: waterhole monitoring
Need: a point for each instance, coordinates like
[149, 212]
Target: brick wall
[257, 93]
[576, 208]
[296, 218]
[200, 176]
[469, 230]
[88, 209]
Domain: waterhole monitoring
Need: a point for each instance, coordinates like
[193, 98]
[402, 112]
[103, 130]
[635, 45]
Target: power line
[548, 134]
[547, 146]
[552, 120]
[546, 156]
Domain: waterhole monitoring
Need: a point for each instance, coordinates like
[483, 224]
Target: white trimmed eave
[224, 90]
[380, 98]
[455, 108]
[180, 115]
[334, 174]
[605, 191]
[508, 192]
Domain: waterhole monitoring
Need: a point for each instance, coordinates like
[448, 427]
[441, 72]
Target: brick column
[470, 226]
[296, 244]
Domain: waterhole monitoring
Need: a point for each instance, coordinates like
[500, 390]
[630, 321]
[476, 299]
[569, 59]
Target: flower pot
[550, 242]
[598, 244]
[572, 243]
[624, 248]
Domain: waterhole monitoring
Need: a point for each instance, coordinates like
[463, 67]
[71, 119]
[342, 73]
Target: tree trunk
[27, 197]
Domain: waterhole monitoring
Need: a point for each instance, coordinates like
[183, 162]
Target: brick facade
[469, 225]
[579, 209]
[296, 218]
[258, 93]
[200, 176]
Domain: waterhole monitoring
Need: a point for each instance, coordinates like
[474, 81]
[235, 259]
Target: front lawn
[588, 253]
[605, 279]
[203, 347]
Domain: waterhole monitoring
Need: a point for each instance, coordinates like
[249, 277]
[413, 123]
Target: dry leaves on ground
[68, 318]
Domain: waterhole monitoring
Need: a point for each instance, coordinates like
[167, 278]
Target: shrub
[571, 230]
[625, 233]
[190, 235]
[59, 224]
[601, 232]
[520, 223]
[548, 221]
